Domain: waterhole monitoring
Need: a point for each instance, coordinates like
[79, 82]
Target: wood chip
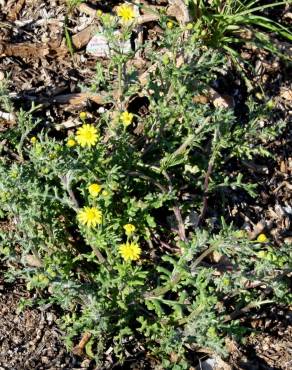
[146, 18]
[286, 94]
[78, 98]
[24, 50]
[83, 37]
[221, 101]
[179, 10]
[15, 10]
[86, 9]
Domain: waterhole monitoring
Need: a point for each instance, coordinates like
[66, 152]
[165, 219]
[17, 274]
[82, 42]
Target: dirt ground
[30, 339]
[34, 52]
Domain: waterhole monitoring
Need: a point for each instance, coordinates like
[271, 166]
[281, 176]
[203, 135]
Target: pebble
[2, 76]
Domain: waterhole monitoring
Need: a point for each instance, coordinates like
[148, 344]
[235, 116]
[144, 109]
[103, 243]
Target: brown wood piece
[78, 98]
[83, 37]
[24, 50]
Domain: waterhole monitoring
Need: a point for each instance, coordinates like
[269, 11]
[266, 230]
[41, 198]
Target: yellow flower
[71, 143]
[130, 251]
[126, 13]
[105, 193]
[189, 26]
[94, 189]
[99, 13]
[90, 216]
[169, 25]
[86, 135]
[83, 116]
[126, 118]
[262, 238]
[33, 140]
[129, 229]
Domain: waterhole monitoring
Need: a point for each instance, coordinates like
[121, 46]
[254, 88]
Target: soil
[269, 346]
[33, 50]
[30, 339]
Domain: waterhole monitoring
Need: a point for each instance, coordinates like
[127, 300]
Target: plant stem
[207, 179]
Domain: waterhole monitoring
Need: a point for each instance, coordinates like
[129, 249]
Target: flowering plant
[117, 218]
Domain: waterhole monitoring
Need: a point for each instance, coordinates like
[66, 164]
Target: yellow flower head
[262, 238]
[129, 229]
[87, 135]
[126, 13]
[130, 251]
[99, 13]
[33, 140]
[89, 216]
[126, 118]
[83, 116]
[169, 25]
[94, 189]
[71, 143]
[105, 193]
